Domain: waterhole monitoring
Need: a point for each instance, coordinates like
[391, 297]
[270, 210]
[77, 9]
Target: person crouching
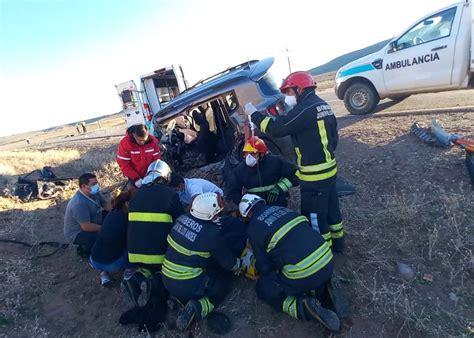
[295, 263]
[197, 265]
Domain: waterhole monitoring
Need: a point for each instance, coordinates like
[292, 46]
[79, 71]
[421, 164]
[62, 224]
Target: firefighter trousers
[321, 198]
[209, 289]
[286, 295]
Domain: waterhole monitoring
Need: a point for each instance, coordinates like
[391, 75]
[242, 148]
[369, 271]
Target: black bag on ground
[42, 184]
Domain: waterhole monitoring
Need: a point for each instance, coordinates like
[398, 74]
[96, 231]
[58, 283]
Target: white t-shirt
[196, 186]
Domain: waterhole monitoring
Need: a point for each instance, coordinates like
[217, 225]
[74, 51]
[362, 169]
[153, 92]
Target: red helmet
[300, 80]
[255, 145]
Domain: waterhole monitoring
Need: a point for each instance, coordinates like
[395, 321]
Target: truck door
[422, 58]
[134, 109]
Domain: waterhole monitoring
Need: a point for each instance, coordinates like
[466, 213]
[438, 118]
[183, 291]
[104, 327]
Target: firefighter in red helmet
[313, 129]
[266, 175]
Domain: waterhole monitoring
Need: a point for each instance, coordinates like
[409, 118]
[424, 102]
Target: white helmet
[247, 202]
[206, 206]
[156, 170]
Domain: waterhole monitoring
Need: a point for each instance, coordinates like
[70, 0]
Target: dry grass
[65, 161]
[325, 81]
[24, 161]
[434, 235]
[396, 216]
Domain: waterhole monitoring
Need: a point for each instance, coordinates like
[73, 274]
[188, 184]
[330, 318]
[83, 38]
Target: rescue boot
[187, 315]
[145, 292]
[339, 301]
[314, 310]
[174, 304]
[175, 307]
[338, 244]
[132, 289]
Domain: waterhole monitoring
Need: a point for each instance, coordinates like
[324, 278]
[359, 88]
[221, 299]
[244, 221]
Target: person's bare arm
[89, 227]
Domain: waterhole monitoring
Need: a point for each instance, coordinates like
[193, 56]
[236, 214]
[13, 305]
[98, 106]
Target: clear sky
[60, 59]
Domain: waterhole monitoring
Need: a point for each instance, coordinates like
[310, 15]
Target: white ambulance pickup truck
[434, 54]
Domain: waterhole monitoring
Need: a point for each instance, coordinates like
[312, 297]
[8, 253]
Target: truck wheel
[360, 99]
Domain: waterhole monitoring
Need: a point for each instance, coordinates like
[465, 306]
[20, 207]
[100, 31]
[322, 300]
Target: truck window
[166, 89]
[231, 102]
[435, 27]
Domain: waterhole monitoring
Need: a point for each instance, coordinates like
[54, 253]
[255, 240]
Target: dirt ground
[414, 205]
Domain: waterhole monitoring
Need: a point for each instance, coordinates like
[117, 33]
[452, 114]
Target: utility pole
[288, 57]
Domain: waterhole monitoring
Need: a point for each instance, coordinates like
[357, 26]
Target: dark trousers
[85, 240]
[206, 141]
[321, 198]
[276, 290]
[213, 283]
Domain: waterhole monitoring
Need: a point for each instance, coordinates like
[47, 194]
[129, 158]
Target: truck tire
[360, 98]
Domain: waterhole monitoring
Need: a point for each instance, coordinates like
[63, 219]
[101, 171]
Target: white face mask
[290, 101]
[250, 160]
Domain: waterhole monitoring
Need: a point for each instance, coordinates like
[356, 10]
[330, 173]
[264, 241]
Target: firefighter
[197, 265]
[152, 211]
[135, 152]
[269, 176]
[313, 129]
[295, 263]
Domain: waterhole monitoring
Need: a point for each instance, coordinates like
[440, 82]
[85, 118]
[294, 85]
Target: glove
[281, 187]
[236, 268]
[250, 109]
[284, 184]
[246, 260]
[138, 183]
[273, 194]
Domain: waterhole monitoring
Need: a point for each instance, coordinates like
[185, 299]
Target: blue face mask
[95, 189]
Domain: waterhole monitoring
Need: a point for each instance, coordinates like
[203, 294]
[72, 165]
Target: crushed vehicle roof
[253, 70]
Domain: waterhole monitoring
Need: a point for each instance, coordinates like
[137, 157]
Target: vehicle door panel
[422, 58]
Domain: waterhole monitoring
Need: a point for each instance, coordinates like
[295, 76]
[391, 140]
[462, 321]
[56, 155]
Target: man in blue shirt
[188, 188]
[84, 213]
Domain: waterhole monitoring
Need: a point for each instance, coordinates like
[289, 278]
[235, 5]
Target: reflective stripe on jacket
[283, 240]
[152, 211]
[134, 159]
[260, 180]
[192, 244]
[313, 130]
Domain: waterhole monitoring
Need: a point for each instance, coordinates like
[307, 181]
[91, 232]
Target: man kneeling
[295, 263]
[197, 265]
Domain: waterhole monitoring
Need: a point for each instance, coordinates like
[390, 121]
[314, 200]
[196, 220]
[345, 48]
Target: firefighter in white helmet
[199, 259]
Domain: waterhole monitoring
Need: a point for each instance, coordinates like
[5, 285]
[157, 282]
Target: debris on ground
[428, 278]
[438, 137]
[405, 271]
[426, 135]
[42, 184]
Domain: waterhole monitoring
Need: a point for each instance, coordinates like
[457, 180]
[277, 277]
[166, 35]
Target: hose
[34, 248]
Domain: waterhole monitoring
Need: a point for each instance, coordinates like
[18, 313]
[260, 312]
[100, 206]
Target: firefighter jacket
[282, 240]
[194, 246]
[262, 178]
[152, 211]
[134, 159]
[313, 130]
